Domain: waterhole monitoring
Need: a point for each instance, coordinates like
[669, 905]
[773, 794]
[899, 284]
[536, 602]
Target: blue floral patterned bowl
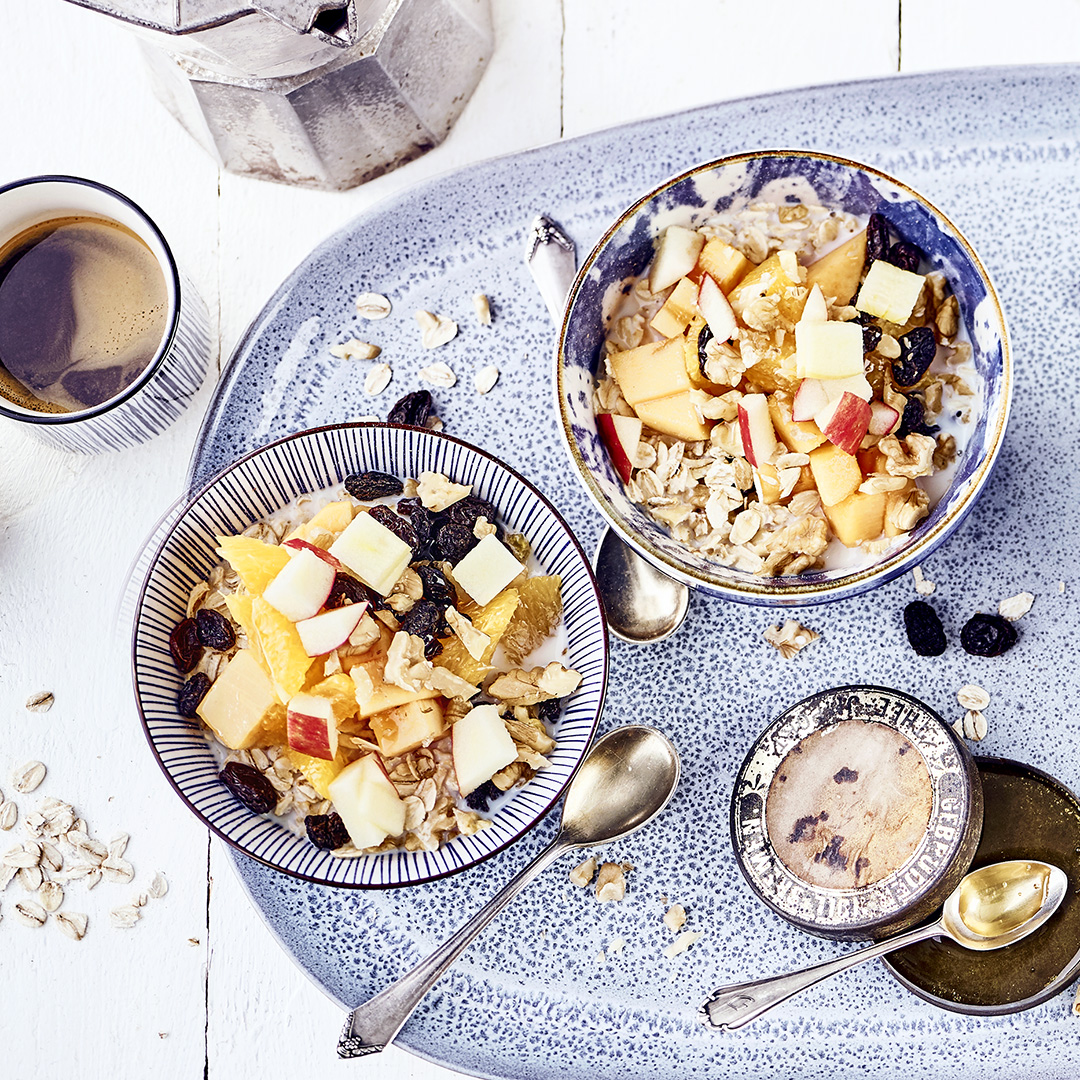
[624, 252]
[181, 553]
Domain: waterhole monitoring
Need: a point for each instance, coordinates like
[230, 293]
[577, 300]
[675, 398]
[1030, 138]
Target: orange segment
[341, 692]
[492, 619]
[282, 651]
[257, 563]
[239, 607]
[317, 772]
[536, 616]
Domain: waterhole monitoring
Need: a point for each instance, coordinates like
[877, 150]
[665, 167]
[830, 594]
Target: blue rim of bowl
[189, 501]
[167, 339]
[790, 591]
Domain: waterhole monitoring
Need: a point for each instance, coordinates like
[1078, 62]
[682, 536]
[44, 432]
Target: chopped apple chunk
[241, 703]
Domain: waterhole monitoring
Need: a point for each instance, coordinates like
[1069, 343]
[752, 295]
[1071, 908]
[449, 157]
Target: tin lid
[856, 812]
[187, 16]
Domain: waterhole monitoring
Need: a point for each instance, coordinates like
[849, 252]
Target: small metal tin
[1029, 815]
[856, 813]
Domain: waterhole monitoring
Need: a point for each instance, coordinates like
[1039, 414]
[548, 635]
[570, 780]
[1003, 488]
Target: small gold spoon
[991, 908]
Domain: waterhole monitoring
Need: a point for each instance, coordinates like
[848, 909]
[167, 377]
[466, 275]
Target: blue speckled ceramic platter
[997, 150]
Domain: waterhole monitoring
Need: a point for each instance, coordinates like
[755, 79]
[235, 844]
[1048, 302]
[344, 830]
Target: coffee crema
[83, 310]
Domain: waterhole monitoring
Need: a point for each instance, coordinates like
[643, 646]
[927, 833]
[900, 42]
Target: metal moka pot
[319, 93]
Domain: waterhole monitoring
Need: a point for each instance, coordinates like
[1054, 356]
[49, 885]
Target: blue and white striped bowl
[181, 553]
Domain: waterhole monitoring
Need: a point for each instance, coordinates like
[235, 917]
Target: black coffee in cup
[83, 310]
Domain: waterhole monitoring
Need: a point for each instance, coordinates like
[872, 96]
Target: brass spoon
[625, 780]
[991, 908]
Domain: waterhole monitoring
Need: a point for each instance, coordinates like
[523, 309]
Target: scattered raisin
[906, 256]
[918, 347]
[373, 485]
[871, 337]
[913, 421]
[397, 525]
[481, 797]
[924, 629]
[327, 831]
[214, 630]
[549, 710]
[454, 542]
[185, 646]
[988, 635]
[249, 786]
[348, 590]
[415, 409]
[191, 694]
[877, 238]
[422, 619]
[437, 587]
[703, 340]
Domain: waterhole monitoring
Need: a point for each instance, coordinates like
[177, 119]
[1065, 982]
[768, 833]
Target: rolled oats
[675, 917]
[125, 916]
[21, 858]
[355, 349]
[483, 308]
[52, 895]
[9, 814]
[973, 697]
[486, 378]
[72, 923]
[30, 913]
[683, 942]
[435, 330]
[972, 725]
[28, 776]
[1016, 607]
[372, 305]
[377, 380]
[42, 702]
[30, 878]
[438, 375]
[118, 871]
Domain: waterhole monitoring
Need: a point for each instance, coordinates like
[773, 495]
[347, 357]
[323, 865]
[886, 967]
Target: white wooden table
[199, 987]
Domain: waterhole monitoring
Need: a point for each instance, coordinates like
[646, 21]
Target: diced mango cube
[726, 265]
[859, 517]
[836, 473]
[674, 415]
[679, 308]
[837, 274]
[799, 436]
[650, 371]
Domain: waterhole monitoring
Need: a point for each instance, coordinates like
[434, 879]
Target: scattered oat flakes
[1061, 586]
[30, 913]
[435, 330]
[42, 702]
[159, 886]
[616, 945]
[372, 305]
[72, 923]
[125, 916]
[610, 882]
[438, 375]
[973, 697]
[922, 586]
[790, 638]
[28, 776]
[378, 379]
[52, 895]
[355, 349]
[583, 873]
[486, 378]
[1016, 607]
[972, 725]
[483, 308]
[675, 917]
[118, 871]
[9, 814]
[21, 858]
[193, 941]
[683, 942]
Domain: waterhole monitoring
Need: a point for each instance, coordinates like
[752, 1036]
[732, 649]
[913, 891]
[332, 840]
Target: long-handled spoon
[642, 603]
[625, 780]
[991, 908]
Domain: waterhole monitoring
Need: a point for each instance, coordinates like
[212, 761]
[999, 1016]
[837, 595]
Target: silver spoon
[625, 780]
[642, 603]
[991, 908]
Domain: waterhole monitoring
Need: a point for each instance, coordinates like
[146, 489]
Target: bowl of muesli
[783, 377]
[368, 655]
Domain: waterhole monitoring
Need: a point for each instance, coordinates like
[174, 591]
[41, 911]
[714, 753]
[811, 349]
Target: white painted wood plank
[634, 60]
[939, 36]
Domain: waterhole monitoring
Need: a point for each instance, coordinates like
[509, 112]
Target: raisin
[913, 422]
[191, 694]
[432, 649]
[415, 409]
[422, 619]
[327, 831]
[373, 485]
[437, 587]
[988, 635]
[703, 340]
[481, 798]
[421, 519]
[871, 336]
[249, 786]
[397, 525]
[185, 646]
[906, 256]
[214, 630]
[924, 629]
[918, 347]
[454, 542]
[469, 510]
[877, 238]
[348, 590]
[550, 710]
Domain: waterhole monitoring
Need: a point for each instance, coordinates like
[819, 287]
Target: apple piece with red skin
[301, 586]
[323, 633]
[621, 435]
[883, 418]
[303, 545]
[311, 726]
[844, 421]
[716, 310]
[809, 400]
[756, 429]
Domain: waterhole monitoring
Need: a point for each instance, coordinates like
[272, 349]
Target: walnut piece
[790, 638]
[675, 917]
[912, 458]
[610, 882]
[583, 873]
[519, 687]
[437, 492]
